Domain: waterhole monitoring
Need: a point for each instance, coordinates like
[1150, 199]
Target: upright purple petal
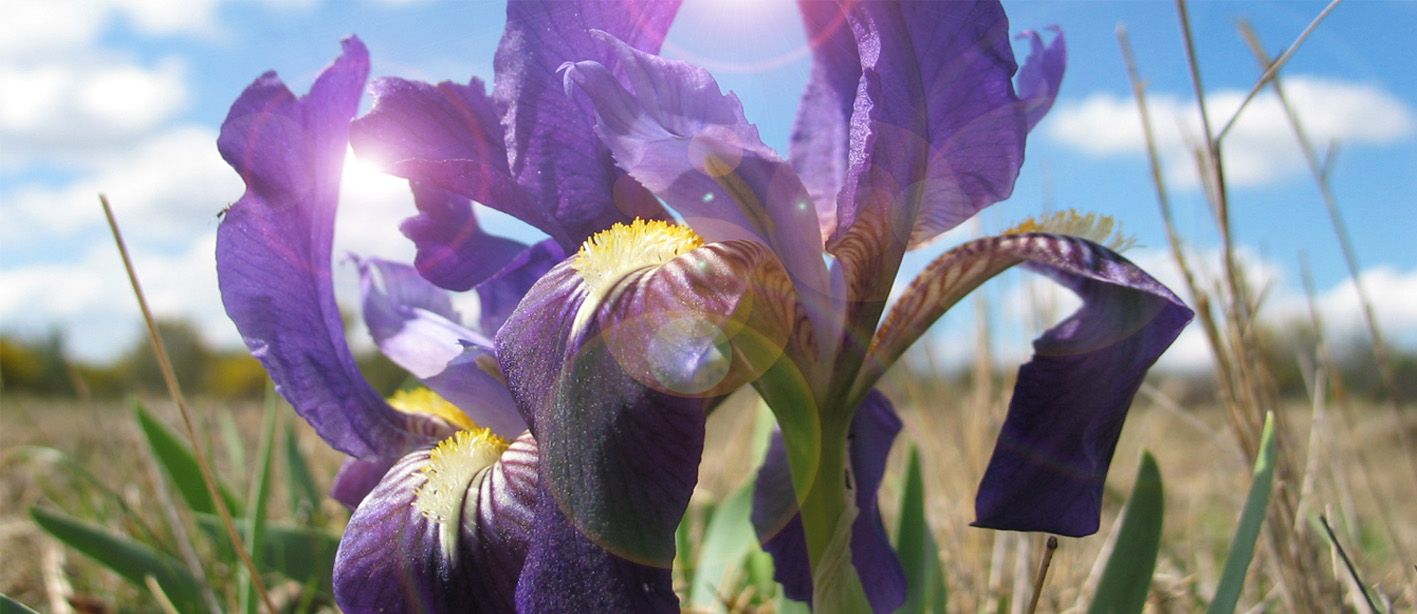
[675, 132]
[1042, 74]
[393, 558]
[412, 120]
[938, 132]
[273, 253]
[873, 430]
[414, 324]
[1070, 400]
[822, 134]
[553, 152]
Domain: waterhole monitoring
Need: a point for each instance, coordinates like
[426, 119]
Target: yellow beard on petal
[609, 255]
[427, 402]
[454, 467]
[1100, 229]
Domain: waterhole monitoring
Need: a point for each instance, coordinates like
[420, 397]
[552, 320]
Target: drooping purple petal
[616, 388]
[821, 136]
[554, 154]
[273, 253]
[779, 526]
[414, 324]
[500, 294]
[1070, 400]
[356, 478]
[394, 558]
[675, 132]
[1042, 74]
[453, 250]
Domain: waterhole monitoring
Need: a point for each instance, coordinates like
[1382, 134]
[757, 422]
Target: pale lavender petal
[412, 321]
[273, 253]
[821, 136]
[873, 430]
[414, 324]
[1042, 74]
[554, 153]
[675, 132]
[356, 478]
[453, 250]
[392, 557]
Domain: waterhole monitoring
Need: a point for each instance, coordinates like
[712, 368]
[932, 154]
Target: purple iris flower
[914, 119]
[549, 471]
[458, 507]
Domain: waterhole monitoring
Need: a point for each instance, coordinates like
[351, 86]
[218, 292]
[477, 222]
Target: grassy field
[1354, 473]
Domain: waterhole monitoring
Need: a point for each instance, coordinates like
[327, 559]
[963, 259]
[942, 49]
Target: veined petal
[938, 132]
[675, 132]
[273, 253]
[779, 526]
[1070, 400]
[616, 371]
[1042, 74]
[453, 250]
[461, 553]
[821, 136]
[554, 154]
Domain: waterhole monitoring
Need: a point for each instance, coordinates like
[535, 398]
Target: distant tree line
[39, 365]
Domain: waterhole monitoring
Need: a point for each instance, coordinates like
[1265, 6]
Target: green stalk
[828, 512]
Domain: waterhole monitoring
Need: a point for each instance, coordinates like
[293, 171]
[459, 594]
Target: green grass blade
[10, 606]
[1126, 579]
[303, 554]
[300, 485]
[728, 539]
[256, 501]
[915, 545]
[180, 465]
[130, 559]
[1242, 548]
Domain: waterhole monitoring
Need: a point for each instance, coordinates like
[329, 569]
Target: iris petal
[553, 153]
[620, 424]
[395, 558]
[821, 136]
[414, 324]
[1048, 467]
[273, 253]
[1042, 74]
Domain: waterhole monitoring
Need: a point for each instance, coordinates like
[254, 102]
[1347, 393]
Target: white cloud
[75, 111]
[167, 188]
[1260, 149]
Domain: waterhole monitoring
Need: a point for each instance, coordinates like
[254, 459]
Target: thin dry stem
[1273, 67]
[175, 391]
[1320, 172]
[1049, 548]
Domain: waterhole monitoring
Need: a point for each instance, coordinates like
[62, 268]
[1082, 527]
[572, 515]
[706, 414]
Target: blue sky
[126, 96]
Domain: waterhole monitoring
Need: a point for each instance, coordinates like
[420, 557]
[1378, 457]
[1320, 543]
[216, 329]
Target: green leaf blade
[130, 559]
[1242, 547]
[1126, 580]
[916, 547]
[180, 464]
